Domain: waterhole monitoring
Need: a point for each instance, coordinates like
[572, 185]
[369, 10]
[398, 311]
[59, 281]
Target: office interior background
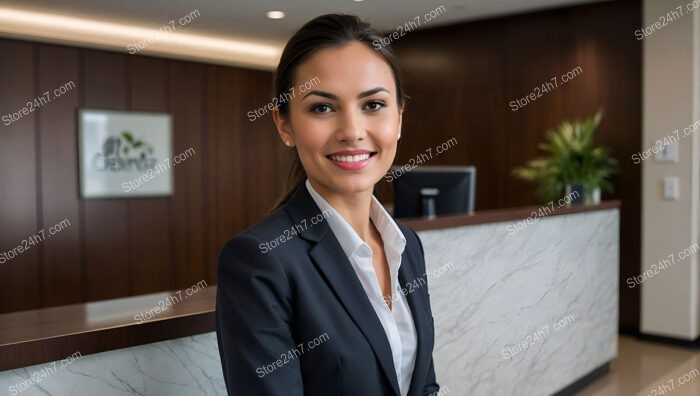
[78, 300]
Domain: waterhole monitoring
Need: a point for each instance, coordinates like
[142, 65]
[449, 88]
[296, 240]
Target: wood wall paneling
[149, 218]
[188, 205]
[62, 260]
[460, 87]
[107, 247]
[19, 218]
[120, 247]
[493, 62]
[223, 145]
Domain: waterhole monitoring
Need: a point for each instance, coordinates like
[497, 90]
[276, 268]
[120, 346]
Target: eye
[375, 105]
[320, 108]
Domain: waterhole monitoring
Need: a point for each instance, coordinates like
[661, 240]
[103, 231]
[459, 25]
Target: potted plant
[574, 164]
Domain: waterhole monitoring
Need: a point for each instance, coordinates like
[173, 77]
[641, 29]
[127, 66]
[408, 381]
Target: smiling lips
[351, 159]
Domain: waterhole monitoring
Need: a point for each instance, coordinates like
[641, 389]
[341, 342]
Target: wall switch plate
[667, 153]
[671, 188]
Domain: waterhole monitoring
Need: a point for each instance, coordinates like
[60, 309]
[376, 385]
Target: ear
[283, 127]
[400, 121]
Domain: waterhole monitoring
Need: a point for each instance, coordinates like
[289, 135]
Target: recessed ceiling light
[275, 14]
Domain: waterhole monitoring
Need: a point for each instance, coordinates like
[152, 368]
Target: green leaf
[571, 158]
[128, 137]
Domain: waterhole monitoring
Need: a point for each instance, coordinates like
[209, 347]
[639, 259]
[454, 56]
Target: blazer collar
[301, 208]
[330, 259]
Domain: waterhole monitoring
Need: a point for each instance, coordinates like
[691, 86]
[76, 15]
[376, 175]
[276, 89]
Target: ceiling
[246, 21]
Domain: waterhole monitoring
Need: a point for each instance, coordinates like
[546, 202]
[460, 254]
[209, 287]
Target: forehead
[353, 67]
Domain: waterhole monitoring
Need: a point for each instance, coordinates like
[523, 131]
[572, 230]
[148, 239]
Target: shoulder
[405, 229]
[255, 246]
[412, 238]
[268, 228]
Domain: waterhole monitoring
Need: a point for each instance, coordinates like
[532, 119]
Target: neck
[354, 208]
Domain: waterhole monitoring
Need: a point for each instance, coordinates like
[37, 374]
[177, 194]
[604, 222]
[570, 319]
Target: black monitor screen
[427, 191]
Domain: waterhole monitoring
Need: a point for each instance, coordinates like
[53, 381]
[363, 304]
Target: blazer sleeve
[253, 322]
[431, 387]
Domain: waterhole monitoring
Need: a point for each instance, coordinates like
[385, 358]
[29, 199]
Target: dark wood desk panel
[49, 334]
[498, 215]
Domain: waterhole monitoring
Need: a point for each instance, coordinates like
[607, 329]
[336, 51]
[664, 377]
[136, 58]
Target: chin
[355, 183]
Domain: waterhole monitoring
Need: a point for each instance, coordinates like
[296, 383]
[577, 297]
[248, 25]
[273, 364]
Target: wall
[121, 247]
[670, 297]
[463, 78]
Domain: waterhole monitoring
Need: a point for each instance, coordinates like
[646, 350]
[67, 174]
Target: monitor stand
[428, 195]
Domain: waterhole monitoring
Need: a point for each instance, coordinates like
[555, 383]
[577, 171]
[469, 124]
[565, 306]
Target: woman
[312, 300]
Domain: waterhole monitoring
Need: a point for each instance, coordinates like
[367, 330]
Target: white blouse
[397, 322]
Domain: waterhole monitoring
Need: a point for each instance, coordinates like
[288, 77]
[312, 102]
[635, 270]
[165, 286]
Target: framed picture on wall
[124, 154]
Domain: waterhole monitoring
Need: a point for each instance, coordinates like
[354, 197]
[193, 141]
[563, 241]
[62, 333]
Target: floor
[645, 368]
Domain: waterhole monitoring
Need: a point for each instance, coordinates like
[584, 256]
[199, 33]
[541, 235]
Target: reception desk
[522, 304]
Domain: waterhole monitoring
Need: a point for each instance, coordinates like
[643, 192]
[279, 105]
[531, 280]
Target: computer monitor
[429, 191]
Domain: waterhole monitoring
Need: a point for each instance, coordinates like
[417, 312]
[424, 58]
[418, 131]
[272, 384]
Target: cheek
[310, 135]
[387, 133]
[389, 154]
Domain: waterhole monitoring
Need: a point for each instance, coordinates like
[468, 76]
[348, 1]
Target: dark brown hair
[322, 32]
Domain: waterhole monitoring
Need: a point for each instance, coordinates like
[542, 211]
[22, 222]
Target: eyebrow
[334, 97]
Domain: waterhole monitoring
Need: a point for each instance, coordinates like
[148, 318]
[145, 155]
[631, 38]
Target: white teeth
[350, 158]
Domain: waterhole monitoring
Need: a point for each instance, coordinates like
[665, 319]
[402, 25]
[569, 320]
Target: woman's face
[346, 121]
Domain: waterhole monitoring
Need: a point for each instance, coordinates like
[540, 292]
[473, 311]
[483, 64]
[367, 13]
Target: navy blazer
[293, 319]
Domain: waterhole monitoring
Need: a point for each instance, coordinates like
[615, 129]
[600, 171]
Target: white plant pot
[579, 195]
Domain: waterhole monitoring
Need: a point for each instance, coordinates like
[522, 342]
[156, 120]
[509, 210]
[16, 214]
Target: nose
[350, 127]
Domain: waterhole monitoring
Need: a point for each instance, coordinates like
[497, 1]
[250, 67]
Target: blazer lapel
[417, 303]
[332, 262]
[329, 258]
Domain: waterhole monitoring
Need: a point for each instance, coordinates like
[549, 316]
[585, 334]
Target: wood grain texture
[19, 217]
[48, 334]
[462, 79]
[149, 218]
[188, 204]
[116, 248]
[62, 264]
[107, 251]
[37, 336]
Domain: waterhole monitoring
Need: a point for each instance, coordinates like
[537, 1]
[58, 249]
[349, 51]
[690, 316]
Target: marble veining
[181, 367]
[503, 288]
[489, 290]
